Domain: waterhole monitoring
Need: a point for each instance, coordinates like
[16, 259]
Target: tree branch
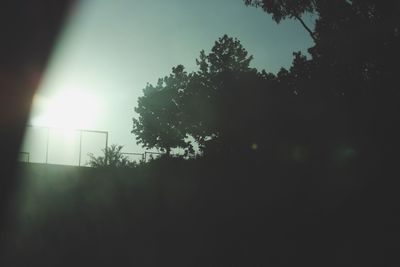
[312, 34]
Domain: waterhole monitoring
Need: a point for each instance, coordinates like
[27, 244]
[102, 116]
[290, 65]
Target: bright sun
[70, 109]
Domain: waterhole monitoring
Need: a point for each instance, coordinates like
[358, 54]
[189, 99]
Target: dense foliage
[344, 94]
[214, 105]
[350, 82]
[113, 157]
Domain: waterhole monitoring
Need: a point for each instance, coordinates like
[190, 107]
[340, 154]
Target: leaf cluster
[113, 157]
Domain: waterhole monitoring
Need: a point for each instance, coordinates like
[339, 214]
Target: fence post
[47, 145]
[105, 151]
[80, 147]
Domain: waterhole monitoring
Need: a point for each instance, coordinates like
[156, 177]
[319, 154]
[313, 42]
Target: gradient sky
[109, 50]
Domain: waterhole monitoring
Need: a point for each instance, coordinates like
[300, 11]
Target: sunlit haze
[69, 109]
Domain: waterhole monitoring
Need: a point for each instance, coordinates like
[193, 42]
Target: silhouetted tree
[219, 104]
[217, 94]
[160, 122]
[350, 81]
[113, 157]
[292, 9]
[355, 41]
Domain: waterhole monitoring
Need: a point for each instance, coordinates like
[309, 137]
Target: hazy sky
[109, 50]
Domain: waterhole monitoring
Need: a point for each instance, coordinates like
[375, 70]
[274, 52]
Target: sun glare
[68, 110]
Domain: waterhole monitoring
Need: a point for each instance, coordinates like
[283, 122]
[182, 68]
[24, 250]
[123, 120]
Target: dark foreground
[202, 213]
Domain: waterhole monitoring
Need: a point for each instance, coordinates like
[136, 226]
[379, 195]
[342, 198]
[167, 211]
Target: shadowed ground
[196, 213]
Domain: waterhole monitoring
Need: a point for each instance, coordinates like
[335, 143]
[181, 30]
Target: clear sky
[109, 50]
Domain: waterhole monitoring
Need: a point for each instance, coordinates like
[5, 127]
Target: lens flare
[70, 109]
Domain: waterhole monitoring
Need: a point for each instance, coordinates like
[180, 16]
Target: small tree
[113, 157]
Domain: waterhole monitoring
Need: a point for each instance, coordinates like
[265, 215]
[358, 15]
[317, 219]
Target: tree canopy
[350, 79]
[212, 103]
[342, 92]
[160, 123]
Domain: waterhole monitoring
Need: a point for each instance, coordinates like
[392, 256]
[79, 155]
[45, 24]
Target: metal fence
[62, 146]
[144, 157]
[69, 147]
[24, 156]
[150, 154]
[134, 156]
